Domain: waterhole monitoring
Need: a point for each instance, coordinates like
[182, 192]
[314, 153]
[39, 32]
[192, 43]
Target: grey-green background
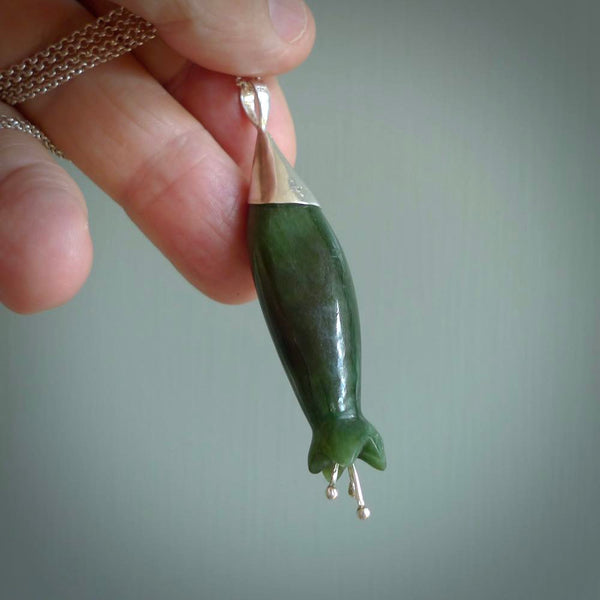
[150, 446]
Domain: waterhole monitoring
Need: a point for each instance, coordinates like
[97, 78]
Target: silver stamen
[363, 512]
[331, 491]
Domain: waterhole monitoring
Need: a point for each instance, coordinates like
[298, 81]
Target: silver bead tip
[363, 513]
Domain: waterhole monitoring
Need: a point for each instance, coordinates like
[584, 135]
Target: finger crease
[154, 178]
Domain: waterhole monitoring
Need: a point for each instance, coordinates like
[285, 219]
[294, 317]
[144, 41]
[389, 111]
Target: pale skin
[160, 131]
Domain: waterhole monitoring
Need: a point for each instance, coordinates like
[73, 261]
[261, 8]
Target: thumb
[239, 37]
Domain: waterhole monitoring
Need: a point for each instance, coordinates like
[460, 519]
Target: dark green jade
[307, 296]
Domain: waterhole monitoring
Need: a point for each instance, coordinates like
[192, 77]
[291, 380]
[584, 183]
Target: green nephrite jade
[307, 297]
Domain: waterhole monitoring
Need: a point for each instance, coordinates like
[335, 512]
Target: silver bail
[256, 100]
[274, 181]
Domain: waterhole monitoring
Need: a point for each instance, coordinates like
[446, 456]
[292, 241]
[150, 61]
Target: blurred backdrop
[150, 445]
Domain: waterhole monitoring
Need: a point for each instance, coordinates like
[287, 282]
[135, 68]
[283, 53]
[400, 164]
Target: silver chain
[110, 36]
[25, 126]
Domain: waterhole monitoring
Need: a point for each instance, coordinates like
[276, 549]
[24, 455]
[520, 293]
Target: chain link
[110, 36]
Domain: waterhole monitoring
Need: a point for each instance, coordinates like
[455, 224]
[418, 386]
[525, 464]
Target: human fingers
[238, 37]
[122, 128]
[212, 97]
[45, 246]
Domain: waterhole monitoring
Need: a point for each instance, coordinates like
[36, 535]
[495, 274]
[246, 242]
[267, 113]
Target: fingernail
[289, 19]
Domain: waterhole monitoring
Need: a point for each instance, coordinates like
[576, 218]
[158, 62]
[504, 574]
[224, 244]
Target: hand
[161, 131]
